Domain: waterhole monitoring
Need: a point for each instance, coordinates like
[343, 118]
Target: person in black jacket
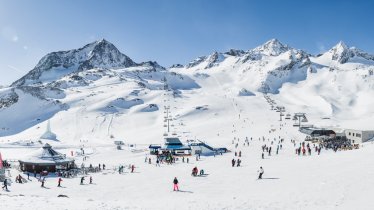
[175, 182]
[5, 184]
[261, 172]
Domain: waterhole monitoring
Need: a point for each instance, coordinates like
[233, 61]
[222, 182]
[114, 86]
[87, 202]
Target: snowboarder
[59, 182]
[261, 172]
[82, 179]
[201, 172]
[175, 182]
[233, 162]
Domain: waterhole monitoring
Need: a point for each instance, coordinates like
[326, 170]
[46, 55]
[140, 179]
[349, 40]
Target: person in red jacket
[59, 182]
[175, 182]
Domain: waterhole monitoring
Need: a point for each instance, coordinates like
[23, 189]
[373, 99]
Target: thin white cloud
[15, 38]
[25, 47]
[16, 69]
[321, 47]
[9, 34]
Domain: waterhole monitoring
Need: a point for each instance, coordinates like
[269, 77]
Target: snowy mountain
[95, 91]
[99, 54]
[46, 90]
[269, 65]
[342, 53]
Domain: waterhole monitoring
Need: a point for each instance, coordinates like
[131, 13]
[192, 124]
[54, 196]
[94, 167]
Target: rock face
[342, 53]
[99, 54]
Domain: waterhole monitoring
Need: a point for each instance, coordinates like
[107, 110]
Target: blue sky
[175, 31]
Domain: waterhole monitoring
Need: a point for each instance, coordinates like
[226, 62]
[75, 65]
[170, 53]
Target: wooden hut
[46, 159]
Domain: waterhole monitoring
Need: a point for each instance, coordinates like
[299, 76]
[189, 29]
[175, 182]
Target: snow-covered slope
[218, 99]
[96, 101]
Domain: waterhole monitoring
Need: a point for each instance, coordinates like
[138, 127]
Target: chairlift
[296, 125]
[304, 120]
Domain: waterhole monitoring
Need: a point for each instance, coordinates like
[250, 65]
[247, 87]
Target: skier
[240, 153]
[132, 168]
[261, 172]
[262, 155]
[5, 184]
[175, 182]
[82, 179]
[43, 181]
[233, 162]
[90, 179]
[195, 171]
[239, 161]
[103, 166]
[59, 182]
[188, 160]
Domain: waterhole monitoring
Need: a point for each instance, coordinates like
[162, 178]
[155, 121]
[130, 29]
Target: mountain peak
[341, 46]
[341, 52]
[273, 47]
[98, 54]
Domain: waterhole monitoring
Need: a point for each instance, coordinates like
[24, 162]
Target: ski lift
[296, 125]
[294, 118]
[304, 120]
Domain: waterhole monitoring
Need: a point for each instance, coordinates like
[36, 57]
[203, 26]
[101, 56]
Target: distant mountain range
[274, 68]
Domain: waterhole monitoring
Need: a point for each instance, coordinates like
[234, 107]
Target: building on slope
[201, 148]
[46, 159]
[175, 146]
[359, 136]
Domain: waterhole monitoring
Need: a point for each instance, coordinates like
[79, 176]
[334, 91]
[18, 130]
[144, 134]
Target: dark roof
[176, 147]
[173, 141]
[317, 131]
[152, 146]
